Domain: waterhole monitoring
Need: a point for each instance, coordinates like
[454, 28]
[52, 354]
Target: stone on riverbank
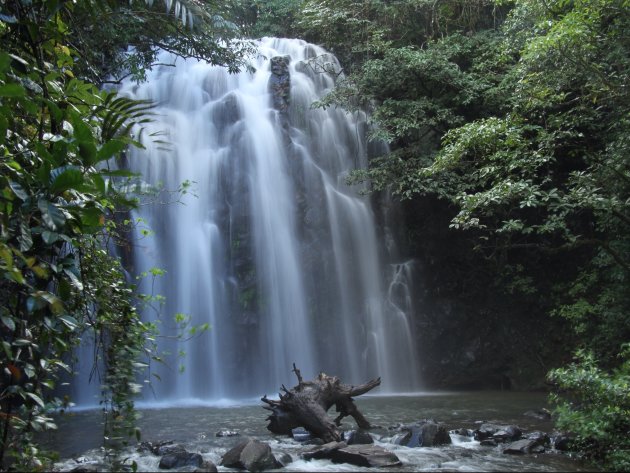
[359, 455]
[251, 455]
[424, 433]
[179, 459]
[523, 446]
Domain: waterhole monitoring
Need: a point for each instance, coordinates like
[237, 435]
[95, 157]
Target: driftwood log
[306, 405]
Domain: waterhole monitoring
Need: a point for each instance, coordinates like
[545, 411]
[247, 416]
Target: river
[79, 436]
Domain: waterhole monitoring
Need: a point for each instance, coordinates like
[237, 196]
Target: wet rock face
[280, 83]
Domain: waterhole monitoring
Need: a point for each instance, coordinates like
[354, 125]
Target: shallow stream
[79, 436]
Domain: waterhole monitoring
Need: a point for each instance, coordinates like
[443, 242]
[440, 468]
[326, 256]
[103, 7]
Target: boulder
[285, 459]
[251, 455]
[159, 448]
[463, 432]
[366, 455]
[359, 455]
[562, 441]
[179, 459]
[507, 433]
[206, 467]
[232, 458]
[425, 433]
[358, 437]
[323, 451]
[521, 446]
[500, 433]
[169, 449]
[87, 468]
[541, 438]
[486, 431]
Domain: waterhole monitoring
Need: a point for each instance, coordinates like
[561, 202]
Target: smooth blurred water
[196, 427]
[270, 247]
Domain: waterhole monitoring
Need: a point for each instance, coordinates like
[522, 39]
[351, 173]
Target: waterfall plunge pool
[79, 436]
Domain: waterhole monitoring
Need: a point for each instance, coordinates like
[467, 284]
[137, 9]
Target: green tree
[517, 126]
[59, 200]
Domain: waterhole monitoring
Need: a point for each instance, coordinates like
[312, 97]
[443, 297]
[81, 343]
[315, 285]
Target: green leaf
[53, 217]
[12, 90]
[25, 239]
[66, 177]
[91, 217]
[50, 237]
[4, 125]
[18, 190]
[110, 149]
[5, 61]
[118, 173]
[87, 151]
[56, 305]
[82, 131]
[74, 279]
[34, 303]
[8, 322]
[6, 346]
[36, 398]
[69, 321]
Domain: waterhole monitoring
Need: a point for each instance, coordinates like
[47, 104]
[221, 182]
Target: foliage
[518, 126]
[598, 412]
[259, 18]
[60, 211]
[118, 38]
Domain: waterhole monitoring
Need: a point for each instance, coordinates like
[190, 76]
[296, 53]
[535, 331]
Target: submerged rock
[159, 448]
[366, 455]
[542, 414]
[251, 455]
[359, 455]
[523, 446]
[180, 459]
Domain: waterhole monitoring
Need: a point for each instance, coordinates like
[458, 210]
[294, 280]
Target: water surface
[196, 427]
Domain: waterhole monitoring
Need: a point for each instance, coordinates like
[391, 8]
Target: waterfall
[274, 250]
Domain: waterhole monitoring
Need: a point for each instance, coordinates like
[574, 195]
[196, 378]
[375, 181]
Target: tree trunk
[306, 405]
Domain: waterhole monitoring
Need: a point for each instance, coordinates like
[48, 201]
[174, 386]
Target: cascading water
[275, 252]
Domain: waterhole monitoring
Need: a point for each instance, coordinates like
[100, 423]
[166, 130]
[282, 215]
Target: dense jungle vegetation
[508, 124]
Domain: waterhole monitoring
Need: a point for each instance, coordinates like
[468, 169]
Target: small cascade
[274, 250]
